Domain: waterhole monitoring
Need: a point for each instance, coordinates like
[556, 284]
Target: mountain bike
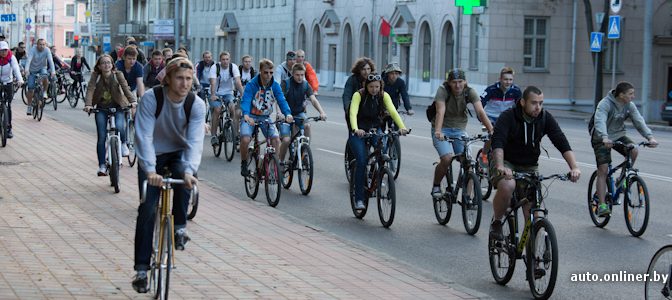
[225, 134]
[63, 83]
[300, 158]
[112, 146]
[75, 90]
[38, 101]
[636, 207]
[468, 182]
[658, 281]
[263, 166]
[538, 239]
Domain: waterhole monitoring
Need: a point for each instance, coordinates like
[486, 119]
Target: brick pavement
[64, 234]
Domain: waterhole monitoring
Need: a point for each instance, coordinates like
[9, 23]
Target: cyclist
[169, 134]
[21, 54]
[9, 72]
[167, 54]
[60, 66]
[284, 70]
[516, 146]
[297, 90]
[396, 87]
[222, 80]
[497, 98]
[77, 64]
[246, 70]
[152, 68]
[450, 121]
[142, 58]
[367, 109]
[203, 72]
[39, 58]
[132, 70]
[311, 76]
[259, 97]
[609, 126]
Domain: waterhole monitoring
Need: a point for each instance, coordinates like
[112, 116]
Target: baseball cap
[4, 45]
[291, 55]
[393, 67]
[456, 74]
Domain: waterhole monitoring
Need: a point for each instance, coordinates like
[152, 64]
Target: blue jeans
[32, 77]
[286, 128]
[444, 148]
[144, 229]
[101, 128]
[359, 148]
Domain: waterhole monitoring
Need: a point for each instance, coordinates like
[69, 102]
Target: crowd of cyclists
[169, 134]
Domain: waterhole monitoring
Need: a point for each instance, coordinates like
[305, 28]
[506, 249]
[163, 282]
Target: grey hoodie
[610, 118]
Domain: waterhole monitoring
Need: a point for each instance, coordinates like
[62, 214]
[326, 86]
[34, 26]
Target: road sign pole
[613, 63]
[597, 73]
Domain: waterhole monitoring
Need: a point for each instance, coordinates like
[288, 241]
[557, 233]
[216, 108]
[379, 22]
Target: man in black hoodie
[516, 147]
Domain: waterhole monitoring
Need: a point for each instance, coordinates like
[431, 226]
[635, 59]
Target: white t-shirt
[246, 76]
[225, 83]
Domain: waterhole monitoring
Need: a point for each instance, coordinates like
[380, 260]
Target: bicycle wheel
[53, 95]
[130, 142]
[114, 163]
[4, 124]
[40, 108]
[661, 265]
[483, 176]
[229, 146]
[193, 204]
[63, 96]
[395, 157]
[166, 260]
[252, 180]
[359, 213]
[217, 148]
[593, 202]
[636, 205]
[472, 205]
[273, 180]
[288, 171]
[542, 259]
[443, 206]
[503, 254]
[306, 171]
[386, 196]
[348, 157]
[71, 95]
[154, 263]
[24, 98]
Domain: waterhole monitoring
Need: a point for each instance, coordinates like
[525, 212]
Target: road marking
[329, 151]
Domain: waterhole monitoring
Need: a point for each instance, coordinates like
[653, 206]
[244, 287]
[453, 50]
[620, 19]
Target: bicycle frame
[112, 133]
[616, 187]
[467, 162]
[376, 160]
[299, 139]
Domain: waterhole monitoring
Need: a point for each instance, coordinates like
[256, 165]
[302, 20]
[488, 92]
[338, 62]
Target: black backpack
[158, 94]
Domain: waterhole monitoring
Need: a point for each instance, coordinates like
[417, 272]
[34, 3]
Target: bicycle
[482, 169]
[394, 148]
[75, 90]
[300, 158]
[538, 238]
[130, 138]
[658, 281]
[62, 84]
[633, 204]
[163, 245]
[112, 146]
[4, 117]
[467, 180]
[263, 166]
[205, 95]
[52, 92]
[38, 102]
[379, 180]
[225, 134]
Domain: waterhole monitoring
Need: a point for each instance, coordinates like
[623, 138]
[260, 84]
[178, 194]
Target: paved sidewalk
[65, 234]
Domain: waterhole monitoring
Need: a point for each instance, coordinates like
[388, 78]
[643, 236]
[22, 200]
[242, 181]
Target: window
[272, 3]
[250, 46]
[69, 38]
[271, 54]
[283, 48]
[258, 52]
[302, 37]
[426, 52]
[284, 2]
[234, 4]
[447, 50]
[366, 42]
[347, 41]
[317, 48]
[265, 3]
[384, 48]
[258, 3]
[69, 10]
[474, 27]
[535, 47]
[265, 49]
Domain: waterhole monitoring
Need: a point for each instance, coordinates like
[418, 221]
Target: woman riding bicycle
[77, 65]
[108, 89]
[367, 110]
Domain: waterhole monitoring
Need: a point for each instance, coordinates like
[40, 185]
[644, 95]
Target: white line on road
[329, 151]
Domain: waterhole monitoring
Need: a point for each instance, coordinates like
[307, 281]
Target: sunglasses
[374, 77]
[185, 65]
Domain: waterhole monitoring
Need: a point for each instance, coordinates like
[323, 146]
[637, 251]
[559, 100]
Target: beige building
[532, 36]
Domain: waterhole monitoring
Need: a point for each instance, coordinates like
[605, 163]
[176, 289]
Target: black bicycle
[75, 90]
[658, 281]
[300, 158]
[38, 102]
[4, 115]
[225, 134]
[112, 145]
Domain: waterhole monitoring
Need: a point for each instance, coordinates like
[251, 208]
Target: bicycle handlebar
[166, 182]
[108, 110]
[632, 146]
[539, 177]
[479, 137]
[374, 133]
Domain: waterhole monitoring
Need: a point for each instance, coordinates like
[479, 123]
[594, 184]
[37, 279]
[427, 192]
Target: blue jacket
[495, 101]
[258, 100]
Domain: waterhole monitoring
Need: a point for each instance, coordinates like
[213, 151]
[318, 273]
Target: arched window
[447, 49]
[316, 52]
[347, 41]
[365, 41]
[302, 37]
[426, 52]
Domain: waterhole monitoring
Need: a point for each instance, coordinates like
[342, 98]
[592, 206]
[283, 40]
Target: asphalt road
[447, 252]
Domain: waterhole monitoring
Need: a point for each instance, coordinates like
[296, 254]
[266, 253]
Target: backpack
[158, 94]
[431, 110]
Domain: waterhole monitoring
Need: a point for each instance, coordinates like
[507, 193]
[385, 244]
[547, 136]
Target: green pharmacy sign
[468, 5]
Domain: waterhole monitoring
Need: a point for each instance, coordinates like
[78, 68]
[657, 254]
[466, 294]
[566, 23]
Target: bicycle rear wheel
[636, 205]
[542, 257]
[272, 180]
[472, 205]
[193, 204]
[395, 156]
[661, 264]
[386, 196]
[348, 157]
[24, 98]
[359, 213]
[306, 171]
[156, 252]
[4, 124]
[252, 180]
[229, 146]
[593, 202]
[166, 260]
[71, 95]
[53, 95]
[114, 164]
[64, 96]
[483, 176]
[217, 148]
[443, 206]
[40, 108]
[502, 254]
[130, 142]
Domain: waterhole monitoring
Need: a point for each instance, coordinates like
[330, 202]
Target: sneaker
[29, 110]
[496, 230]
[214, 140]
[243, 169]
[436, 192]
[102, 170]
[140, 282]
[9, 133]
[603, 210]
[181, 239]
[359, 204]
[124, 150]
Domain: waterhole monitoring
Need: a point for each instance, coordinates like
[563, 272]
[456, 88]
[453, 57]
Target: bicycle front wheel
[130, 142]
[443, 206]
[71, 95]
[24, 89]
[472, 204]
[217, 147]
[272, 181]
[4, 124]
[502, 254]
[359, 213]
[306, 171]
[252, 180]
[53, 95]
[395, 157]
[542, 257]
[593, 202]
[636, 206]
[657, 287]
[166, 260]
[114, 164]
[229, 145]
[193, 204]
[483, 176]
[386, 197]
[348, 157]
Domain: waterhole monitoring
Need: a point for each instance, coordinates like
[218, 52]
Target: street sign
[29, 20]
[615, 6]
[596, 41]
[107, 45]
[614, 31]
[102, 28]
[28, 27]
[598, 18]
[163, 28]
[8, 18]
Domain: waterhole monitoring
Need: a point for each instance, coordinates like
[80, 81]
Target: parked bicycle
[226, 134]
[658, 282]
[300, 158]
[263, 166]
[538, 239]
[112, 146]
[636, 207]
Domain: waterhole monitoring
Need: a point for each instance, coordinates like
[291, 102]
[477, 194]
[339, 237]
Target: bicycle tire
[61, 87]
[395, 156]
[4, 124]
[130, 143]
[24, 98]
[472, 205]
[217, 148]
[547, 241]
[504, 257]
[166, 260]
[656, 289]
[306, 171]
[272, 180]
[229, 146]
[114, 164]
[252, 180]
[593, 201]
[348, 158]
[386, 198]
[288, 171]
[53, 95]
[154, 260]
[36, 108]
[483, 176]
[71, 94]
[632, 207]
[193, 204]
[443, 206]
[359, 213]
[40, 109]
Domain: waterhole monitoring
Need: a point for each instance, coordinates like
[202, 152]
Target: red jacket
[311, 77]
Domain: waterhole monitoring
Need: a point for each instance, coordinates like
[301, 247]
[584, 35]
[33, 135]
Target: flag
[385, 28]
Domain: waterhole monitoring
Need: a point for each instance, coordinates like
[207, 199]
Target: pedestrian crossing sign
[596, 41]
[614, 31]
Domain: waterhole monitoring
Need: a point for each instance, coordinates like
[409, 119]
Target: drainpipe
[572, 67]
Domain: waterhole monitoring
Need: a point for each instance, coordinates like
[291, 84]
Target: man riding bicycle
[39, 58]
[497, 98]
[516, 147]
[223, 76]
[168, 134]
